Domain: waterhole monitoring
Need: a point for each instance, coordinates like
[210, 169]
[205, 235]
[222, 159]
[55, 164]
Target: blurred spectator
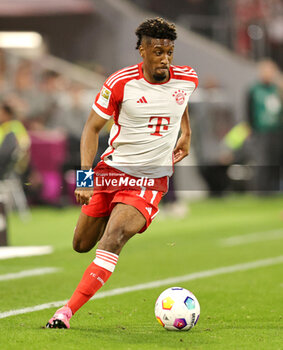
[264, 111]
[249, 25]
[275, 32]
[48, 155]
[197, 15]
[70, 117]
[253, 28]
[173, 9]
[171, 205]
[3, 73]
[51, 86]
[22, 93]
[53, 110]
[211, 120]
[259, 29]
[14, 143]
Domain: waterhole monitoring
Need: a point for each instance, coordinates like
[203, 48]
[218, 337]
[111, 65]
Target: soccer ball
[177, 309]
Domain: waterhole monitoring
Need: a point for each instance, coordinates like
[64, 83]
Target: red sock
[93, 279]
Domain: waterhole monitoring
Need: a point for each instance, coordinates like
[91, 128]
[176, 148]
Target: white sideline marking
[19, 252]
[154, 284]
[28, 273]
[252, 237]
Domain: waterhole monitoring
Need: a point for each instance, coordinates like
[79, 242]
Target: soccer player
[148, 102]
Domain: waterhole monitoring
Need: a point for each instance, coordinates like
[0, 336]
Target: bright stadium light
[15, 40]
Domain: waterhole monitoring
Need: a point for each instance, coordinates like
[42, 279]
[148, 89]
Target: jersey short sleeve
[105, 103]
[185, 73]
[191, 73]
[194, 76]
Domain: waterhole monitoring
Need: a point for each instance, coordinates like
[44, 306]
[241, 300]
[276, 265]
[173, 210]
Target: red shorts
[146, 201]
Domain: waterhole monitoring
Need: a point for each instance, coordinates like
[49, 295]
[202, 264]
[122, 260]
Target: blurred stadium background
[54, 58]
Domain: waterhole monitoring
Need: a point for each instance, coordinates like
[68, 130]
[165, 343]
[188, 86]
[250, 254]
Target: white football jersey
[147, 119]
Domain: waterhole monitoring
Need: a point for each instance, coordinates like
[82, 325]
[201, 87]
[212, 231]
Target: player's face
[157, 56]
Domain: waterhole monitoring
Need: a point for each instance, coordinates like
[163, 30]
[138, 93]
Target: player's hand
[83, 195]
[182, 149]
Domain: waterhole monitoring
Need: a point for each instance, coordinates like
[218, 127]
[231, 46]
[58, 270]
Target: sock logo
[100, 280]
[92, 274]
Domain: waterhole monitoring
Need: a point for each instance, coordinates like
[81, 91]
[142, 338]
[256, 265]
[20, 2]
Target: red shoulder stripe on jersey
[110, 80]
[121, 76]
[184, 69]
[186, 75]
[126, 77]
[121, 71]
[193, 79]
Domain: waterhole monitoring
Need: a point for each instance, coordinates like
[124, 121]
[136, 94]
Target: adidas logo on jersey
[142, 100]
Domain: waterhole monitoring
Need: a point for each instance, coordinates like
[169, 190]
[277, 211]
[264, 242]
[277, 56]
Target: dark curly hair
[156, 28]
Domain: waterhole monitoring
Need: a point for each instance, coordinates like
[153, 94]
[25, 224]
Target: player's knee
[80, 246]
[114, 240]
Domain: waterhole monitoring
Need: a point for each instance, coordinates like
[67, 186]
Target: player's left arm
[182, 148]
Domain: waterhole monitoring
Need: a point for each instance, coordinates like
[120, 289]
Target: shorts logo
[180, 96]
[84, 178]
[104, 97]
[149, 210]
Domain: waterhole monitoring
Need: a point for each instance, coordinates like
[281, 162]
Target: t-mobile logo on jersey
[160, 125]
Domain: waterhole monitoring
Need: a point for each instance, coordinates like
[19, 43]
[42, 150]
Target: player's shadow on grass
[130, 337]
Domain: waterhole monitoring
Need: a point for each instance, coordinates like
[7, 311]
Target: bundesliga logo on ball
[84, 178]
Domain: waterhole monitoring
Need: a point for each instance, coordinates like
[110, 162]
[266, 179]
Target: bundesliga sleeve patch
[104, 97]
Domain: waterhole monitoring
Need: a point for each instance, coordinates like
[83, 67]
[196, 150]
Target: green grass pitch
[239, 310]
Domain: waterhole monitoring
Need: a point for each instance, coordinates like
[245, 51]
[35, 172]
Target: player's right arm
[89, 145]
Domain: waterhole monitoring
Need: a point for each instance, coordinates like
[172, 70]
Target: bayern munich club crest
[179, 96]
